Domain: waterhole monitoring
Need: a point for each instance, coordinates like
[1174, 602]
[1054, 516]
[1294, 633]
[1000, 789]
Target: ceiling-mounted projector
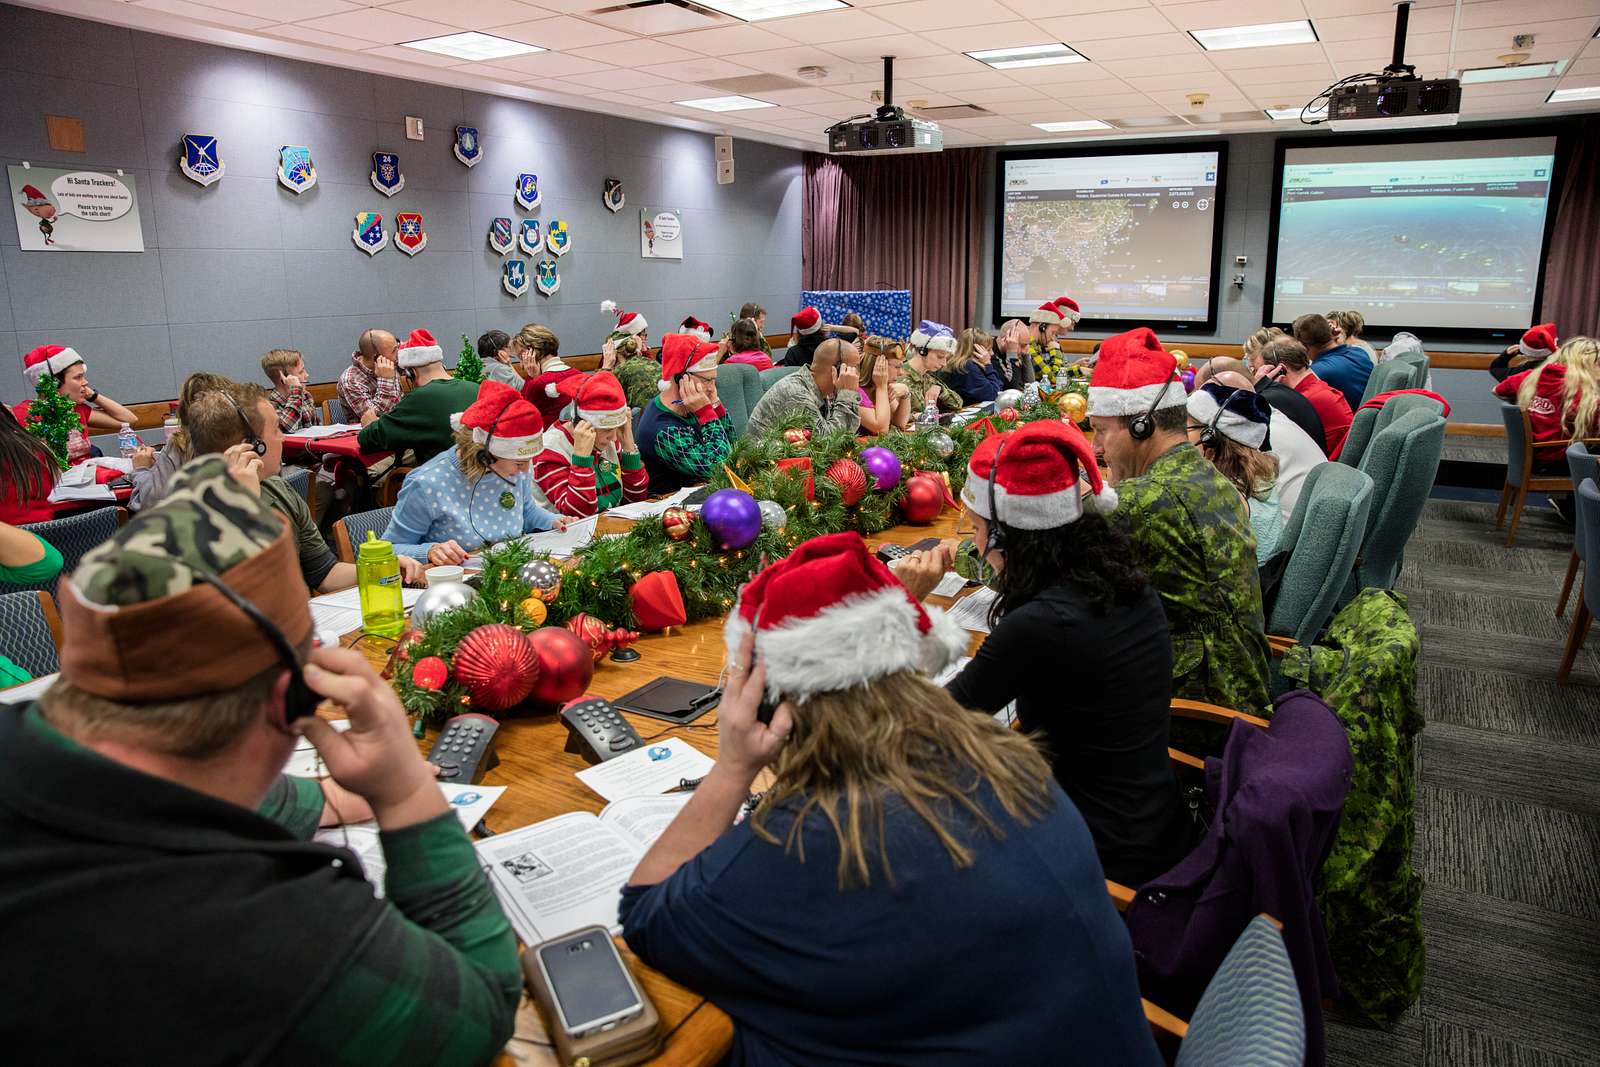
[1396, 102]
[886, 130]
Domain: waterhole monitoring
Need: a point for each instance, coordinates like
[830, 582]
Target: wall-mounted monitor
[1130, 233]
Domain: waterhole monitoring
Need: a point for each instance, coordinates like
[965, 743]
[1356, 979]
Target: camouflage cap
[137, 623]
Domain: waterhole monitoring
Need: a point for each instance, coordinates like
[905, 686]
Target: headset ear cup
[298, 700]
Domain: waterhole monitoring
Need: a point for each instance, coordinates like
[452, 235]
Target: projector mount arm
[1316, 110]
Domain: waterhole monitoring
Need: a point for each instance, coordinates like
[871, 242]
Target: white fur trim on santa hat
[1042, 316]
[1232, 425]
[1106, 401]
[54, 365]
[503, 447]
[1068, 314]
[932, 343]
[418, 355]
[855, 641]
[1533, 350]
[606, 419]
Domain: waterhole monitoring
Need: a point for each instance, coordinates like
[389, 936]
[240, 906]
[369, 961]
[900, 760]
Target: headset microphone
[997, 529]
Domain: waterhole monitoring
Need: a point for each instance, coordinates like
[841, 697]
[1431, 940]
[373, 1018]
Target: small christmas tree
[469, 368]
[52, 418]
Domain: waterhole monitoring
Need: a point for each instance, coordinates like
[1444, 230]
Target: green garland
[469, 367]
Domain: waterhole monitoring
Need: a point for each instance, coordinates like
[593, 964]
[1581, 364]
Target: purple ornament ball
[732, 518]
[883, 465]
[1188, 381]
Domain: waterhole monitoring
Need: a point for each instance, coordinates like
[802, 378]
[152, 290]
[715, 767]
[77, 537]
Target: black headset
[1143, 425]
[997, 529]
[1208, 436]
[256, 444]
[298, 701]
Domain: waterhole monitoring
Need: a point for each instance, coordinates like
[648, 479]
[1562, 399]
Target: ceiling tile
[216, 15]
[1049, 78]
[495, 71]
[1178, 102]
[1541, 86]
[1375, 52]
[725, 40]
[627, 53]
[872, 49]
[1213, 14]
[836, 110]
[786, 61]
[938, 67]
[978, 79]
[811, 94]
[1105, 105]
[376, 24]
[622, 79]
[1149, 48]
[942, 14]
[1379, 28]
[1327, 8]
[1014, 95]
[550, 65]
[467, 14]
[1427, 65]
[1490, 57]
[661, 93]
[701, 71]
[1319, 72]
[1039, 9]
[1000, 35]
[1546, 32]
[1516, 14]
[1119, 24]
[561, 32]
[306, 35]
[1203, 83]
[1284, 57]
[1584, 66]
[1183, 63]
[841, 24]
[284, 11]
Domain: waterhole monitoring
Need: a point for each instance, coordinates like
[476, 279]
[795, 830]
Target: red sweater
[1544, 413]
[568, 483]
[1332, 408]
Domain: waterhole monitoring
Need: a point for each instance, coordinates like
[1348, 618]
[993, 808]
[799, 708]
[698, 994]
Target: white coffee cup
[437, 575]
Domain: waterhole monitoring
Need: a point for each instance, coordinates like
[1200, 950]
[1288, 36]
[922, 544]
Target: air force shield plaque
[528, 196]
[515, 277]
[546, 280]
[409, 236]
[529, 237]
[386, 176]
[295, 171]
[502, 238]
[613, 196]
[558, 239]
[369, 234]
[200, 161]
[468, 149]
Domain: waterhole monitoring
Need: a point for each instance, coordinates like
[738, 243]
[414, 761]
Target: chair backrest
[1418, 361]
[738, 387]
[73, 536]
[1588, 499]
[1387, 377]
[333, 411]
[1250, 1014]
[1360, 435]
[1583, 465]
[29, 639]
[298, 478]
[1327, 528]
[1403, 461]
[1516, 442]
[770, 376]
[351, 530]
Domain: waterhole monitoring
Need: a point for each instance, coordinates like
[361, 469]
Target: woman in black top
[1079, 640]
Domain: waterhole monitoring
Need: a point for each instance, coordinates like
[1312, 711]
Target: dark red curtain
[897, 222]
[1572, 272]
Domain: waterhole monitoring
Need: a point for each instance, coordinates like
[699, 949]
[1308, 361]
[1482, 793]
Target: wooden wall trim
[1474, 429]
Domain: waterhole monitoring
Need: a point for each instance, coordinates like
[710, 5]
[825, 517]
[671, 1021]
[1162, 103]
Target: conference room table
[541, 784]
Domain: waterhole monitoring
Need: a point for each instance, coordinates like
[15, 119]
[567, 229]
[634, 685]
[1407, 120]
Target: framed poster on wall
[75, 210]
[660, 233]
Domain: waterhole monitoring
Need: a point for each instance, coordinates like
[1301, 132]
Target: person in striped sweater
[590, 462]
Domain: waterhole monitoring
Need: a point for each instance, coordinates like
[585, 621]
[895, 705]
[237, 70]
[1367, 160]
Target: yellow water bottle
[383, 609]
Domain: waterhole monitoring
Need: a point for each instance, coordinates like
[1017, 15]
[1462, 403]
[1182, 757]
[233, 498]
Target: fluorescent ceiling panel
[1264, 35]
[724, 103]
[1077, 126]
[473, 46]
[1033, 55]
[759, 10]
[1476, 75]
[1567, 96]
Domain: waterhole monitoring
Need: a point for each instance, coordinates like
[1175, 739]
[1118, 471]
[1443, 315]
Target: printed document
[972, 612]
[649, 770]
[645, 509]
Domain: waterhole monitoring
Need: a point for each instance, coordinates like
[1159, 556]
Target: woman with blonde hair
[885, 399]
[150, 474]
[910, 867]
[1347, 327]
[1229, 427]
[1562, 399]
[1256, 342]
[971, 371]
[538, 349]
[478, 492]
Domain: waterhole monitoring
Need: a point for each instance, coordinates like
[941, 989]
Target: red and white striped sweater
[567, 483]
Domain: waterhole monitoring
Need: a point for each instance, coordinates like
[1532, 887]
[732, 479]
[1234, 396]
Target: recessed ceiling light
[1033, 55]
[1076, 126]
[1567, 96]
[1283, 114]
[473, 46]
[1261, 36]
[1474, 75]
[724, 103]
[758, 10]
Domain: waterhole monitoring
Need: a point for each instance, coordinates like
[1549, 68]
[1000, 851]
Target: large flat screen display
[1442, 235]
[1130, 235]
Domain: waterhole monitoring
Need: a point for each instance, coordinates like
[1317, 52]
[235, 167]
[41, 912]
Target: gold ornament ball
[535, 610]
[1073, 406]
[1182, 358]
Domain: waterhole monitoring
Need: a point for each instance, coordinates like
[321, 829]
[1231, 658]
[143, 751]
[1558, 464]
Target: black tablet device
[670, 699]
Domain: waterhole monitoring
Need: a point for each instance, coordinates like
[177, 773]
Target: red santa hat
[1036, 484]
[48, 359]
[807, 320]
[813, 611]
[694, 325]
[630, 323]
[1540, 340]
[418, 350]
[501, 419]
[32, 197]
[1134, 374]
[1068, 309]
[683, 353]
[1045, 315]
[597, 399]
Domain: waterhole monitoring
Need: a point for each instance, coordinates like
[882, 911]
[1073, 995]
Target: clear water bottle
[169, 425]
[127, 441]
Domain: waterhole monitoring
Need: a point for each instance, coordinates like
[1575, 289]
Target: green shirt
[795, 399]
[1194, 541]
[42, 569]
[421, 420]
[316, 558]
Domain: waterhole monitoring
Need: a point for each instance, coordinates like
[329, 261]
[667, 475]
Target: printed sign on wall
[75, 210]
[660, 234]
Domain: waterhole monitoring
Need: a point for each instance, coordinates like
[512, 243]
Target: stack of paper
[560, 544]
[972, 612]
[341, 611]
[645, 509]
[333, 429]
[649, 770]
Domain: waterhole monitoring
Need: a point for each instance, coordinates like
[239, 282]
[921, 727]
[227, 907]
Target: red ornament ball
[430, 673]
[678, 522]
[847, 474]
[924, 500]
[1010, 414]
[565, 666]
[403, 646]
[591, 631]
[497, 665]
[797, 436]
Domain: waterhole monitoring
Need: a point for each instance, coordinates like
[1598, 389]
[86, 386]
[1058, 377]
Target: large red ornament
[678, 522]
[1009, 414]
[598, 636]
[497, 666]
[796, 466]
[924, 499]
[565, 666]
[847, 474]
[657, 601]
[430, 673]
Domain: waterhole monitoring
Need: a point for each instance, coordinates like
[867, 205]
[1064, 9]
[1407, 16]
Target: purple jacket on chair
[1277, 795]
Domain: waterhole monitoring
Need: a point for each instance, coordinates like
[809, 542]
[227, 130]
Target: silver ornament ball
[541, 575]
[1008, 398]
[439, 598]
[773, 517]
[942, 443]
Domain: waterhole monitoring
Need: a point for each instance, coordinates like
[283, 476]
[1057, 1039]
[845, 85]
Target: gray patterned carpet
[1509, 807]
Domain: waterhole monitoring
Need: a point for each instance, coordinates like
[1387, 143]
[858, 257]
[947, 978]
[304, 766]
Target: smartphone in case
[590, 986]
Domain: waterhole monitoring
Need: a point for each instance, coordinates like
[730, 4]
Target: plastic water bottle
[383, 610]
[127, 441]
[169, 425]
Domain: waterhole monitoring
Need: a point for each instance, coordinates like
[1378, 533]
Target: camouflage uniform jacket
[795, 398]
[639, 377]
[1190, 528]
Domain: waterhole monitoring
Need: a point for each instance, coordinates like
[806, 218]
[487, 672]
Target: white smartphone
[591, 986]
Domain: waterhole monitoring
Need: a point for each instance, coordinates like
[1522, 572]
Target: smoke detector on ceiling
[1198, 100]
[811, 74]
[1514, 59]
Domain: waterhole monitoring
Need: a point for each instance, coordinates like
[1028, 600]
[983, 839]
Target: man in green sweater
[421, 420]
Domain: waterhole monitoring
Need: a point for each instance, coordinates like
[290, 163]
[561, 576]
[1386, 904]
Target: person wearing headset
[421, 420]
[1230, 428]
[478, 492]
[143, 805]
[239, 421]
[1191, 533]
[1064, 571]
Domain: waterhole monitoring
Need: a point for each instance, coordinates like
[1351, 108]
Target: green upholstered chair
[1326, 530]
[1584, 465]
[738, 387]
[1369, 421]
[1402, 462]
[770, 376]
[1418, 362]
[1387, 377]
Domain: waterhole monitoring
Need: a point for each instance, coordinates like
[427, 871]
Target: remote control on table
[596, 730]
[464, 750]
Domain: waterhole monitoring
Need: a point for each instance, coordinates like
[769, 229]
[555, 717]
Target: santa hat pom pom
[455, 421]
[608, 306]
[1104, 502]
[550, 390]
[663, 386]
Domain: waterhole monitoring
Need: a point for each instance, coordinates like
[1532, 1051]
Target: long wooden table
[541, 784]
